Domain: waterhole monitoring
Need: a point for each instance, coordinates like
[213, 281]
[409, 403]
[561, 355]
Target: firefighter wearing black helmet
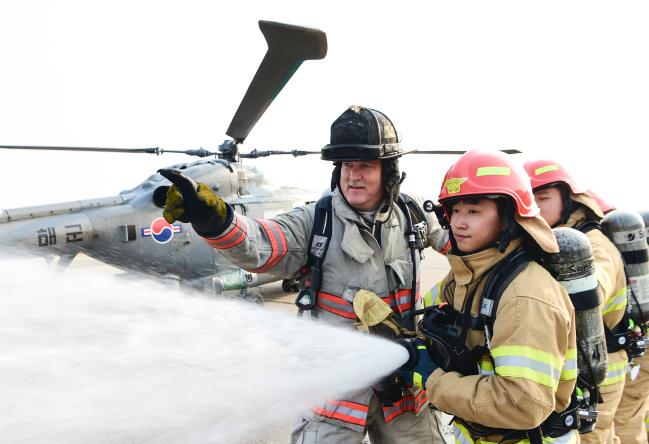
[359, 237]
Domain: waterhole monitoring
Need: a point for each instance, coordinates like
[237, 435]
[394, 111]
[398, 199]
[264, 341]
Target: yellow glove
[188, 201]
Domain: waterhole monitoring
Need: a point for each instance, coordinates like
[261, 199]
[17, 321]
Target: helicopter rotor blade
[508, 151]
[157, 150]
[288, 47]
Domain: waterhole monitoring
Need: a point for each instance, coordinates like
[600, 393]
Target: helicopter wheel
[290, 285]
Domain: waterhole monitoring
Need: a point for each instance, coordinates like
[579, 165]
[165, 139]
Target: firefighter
[520, 334]
[564, 203]
[632, 416]
[360, 237]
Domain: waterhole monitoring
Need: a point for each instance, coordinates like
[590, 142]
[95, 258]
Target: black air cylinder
[574, 268]
[626, 230]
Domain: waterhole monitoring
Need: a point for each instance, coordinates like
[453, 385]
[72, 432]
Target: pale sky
[561, 79]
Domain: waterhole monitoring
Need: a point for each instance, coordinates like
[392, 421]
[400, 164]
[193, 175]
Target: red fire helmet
[479, 173]
[544, 172]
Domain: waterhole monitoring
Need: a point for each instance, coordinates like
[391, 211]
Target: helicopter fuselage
[128, 232]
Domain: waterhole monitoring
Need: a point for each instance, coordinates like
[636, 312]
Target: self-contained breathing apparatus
[307, 297]
[628, 233]
[392, 388]
[444, 331]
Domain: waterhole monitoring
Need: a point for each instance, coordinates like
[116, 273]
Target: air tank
[574, 268]
[626, 230]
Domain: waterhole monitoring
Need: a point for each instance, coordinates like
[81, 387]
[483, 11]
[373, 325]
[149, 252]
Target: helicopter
[127, 230]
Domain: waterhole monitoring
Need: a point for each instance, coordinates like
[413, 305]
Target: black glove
[425, 365]
[188, 201]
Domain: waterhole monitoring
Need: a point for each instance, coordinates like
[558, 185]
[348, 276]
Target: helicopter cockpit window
[127, 233]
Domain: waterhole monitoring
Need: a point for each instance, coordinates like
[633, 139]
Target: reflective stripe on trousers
[462, 436]
[412, 403]
[345, 411]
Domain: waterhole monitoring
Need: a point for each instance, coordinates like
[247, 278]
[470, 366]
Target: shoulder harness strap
[307, 297]
[588, 226]
[415, 215]
[415, 237]
[499, 278]
[321, 231]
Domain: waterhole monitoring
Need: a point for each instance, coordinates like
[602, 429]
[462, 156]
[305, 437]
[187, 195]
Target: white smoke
[86, 357]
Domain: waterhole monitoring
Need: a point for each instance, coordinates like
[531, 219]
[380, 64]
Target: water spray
[85, 357]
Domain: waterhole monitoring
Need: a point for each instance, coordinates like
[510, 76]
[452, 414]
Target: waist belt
[556, 425]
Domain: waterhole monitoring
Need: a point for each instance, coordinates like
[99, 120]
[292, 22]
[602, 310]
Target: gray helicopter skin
[128, 232]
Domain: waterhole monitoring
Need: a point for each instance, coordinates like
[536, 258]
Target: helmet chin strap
[335, 176]
[511, 230]
[568, 205]
[392, 181]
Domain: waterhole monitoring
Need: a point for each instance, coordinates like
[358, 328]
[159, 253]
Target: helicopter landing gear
[291, 285]
[234, 286]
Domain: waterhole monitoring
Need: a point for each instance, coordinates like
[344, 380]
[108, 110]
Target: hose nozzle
[413, 356]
